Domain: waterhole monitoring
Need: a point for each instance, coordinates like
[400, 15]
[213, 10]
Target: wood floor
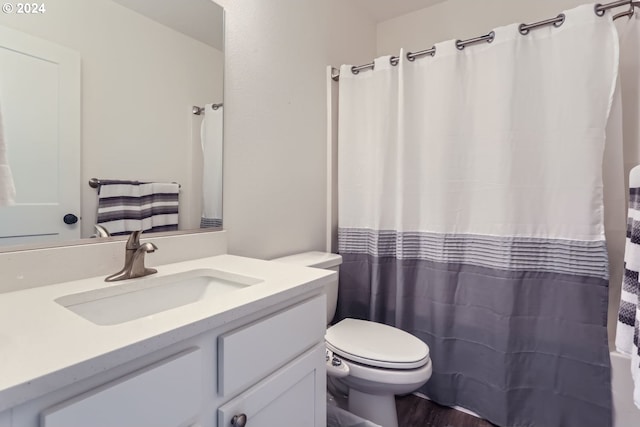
[414, 411]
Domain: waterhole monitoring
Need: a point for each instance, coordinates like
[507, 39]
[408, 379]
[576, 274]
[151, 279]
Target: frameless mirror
[117, 90]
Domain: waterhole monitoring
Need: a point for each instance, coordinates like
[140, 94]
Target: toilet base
[377, 408]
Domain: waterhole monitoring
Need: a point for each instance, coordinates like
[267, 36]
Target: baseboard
[457, 408]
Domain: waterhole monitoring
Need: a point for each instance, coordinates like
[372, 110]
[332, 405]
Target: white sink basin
[137, 298]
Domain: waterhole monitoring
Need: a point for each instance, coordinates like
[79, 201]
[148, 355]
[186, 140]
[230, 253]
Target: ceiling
[381, 10]
[194, 21]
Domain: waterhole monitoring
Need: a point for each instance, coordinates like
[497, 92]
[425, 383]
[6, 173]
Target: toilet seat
[377, 345]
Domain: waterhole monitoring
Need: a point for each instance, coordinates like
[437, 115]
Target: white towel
[7, 188]
[211, 140]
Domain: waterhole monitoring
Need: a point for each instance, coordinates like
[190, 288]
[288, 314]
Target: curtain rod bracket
[200, 110]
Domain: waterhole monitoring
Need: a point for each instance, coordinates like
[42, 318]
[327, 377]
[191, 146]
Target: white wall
[351, 37]
[139, 81]
[275, 178]
[461, 19]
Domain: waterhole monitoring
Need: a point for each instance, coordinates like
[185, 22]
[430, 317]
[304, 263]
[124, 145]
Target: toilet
[373, 361]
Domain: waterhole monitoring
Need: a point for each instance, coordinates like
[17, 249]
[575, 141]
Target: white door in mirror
[40, 99]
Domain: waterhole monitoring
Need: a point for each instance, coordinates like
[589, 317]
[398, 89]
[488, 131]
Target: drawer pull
[239, 420]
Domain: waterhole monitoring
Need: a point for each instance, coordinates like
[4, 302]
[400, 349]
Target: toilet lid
[375, 344]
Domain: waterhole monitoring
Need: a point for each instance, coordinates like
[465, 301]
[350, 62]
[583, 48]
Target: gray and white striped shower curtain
[471, 215]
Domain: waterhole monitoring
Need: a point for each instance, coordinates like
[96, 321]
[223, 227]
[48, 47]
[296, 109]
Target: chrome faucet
[134, 259]
[101, 231]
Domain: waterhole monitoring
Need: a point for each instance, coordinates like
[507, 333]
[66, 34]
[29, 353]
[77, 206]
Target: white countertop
[44, 346]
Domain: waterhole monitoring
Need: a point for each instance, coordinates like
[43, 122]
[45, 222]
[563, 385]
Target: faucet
[134, 259]
[101, 231]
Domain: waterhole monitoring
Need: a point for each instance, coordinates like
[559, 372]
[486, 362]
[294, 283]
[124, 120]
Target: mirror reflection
[126, 94]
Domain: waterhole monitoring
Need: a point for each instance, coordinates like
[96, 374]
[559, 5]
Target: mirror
[124, 90]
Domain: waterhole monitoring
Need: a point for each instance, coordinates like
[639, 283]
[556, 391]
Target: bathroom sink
[137, 298]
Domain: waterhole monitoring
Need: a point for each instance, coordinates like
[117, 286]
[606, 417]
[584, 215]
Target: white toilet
[374, 361]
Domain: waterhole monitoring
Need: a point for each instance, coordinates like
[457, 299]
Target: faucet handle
[133, 242]
[148, 247]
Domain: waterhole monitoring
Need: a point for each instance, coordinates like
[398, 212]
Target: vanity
[241, 343]
[211, 339]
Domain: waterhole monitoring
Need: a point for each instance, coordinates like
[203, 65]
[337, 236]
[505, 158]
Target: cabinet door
[250, 353]
[294, 396]
[5, 418]
[166, 394]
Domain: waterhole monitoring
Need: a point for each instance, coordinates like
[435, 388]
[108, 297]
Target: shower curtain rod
[524, 29]
[200, 110]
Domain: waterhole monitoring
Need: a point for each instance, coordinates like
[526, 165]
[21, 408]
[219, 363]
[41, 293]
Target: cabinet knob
[239, 420]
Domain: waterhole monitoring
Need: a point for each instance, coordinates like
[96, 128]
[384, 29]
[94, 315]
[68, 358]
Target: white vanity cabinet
[267, 366]
[166, 394]
[5, 419]
[291, 397]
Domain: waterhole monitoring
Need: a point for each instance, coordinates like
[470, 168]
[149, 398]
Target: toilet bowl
[373, 361]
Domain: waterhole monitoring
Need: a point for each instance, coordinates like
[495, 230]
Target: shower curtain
[471, 215]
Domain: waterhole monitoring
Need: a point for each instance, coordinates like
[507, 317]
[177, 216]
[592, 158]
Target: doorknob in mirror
[70, 219]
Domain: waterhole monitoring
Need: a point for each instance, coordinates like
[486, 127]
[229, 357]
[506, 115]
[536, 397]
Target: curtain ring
[354, 71]
[411, 56]
[394, 60]
[492, 37]
[559, 23]
[459, 45]
[522, 28]
[599, 12]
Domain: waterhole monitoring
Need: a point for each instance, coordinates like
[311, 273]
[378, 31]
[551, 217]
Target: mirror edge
[98, 240]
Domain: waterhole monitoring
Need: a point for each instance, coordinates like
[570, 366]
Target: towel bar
[96, 183]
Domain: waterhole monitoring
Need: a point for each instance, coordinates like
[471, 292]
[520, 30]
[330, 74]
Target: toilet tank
[326, 261]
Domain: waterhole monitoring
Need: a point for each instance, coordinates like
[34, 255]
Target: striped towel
[627, 335]
[131, 206]
[210, 222]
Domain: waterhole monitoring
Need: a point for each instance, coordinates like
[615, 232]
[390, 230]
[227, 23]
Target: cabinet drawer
[166, 394]
[294, 396]
[248, 354]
